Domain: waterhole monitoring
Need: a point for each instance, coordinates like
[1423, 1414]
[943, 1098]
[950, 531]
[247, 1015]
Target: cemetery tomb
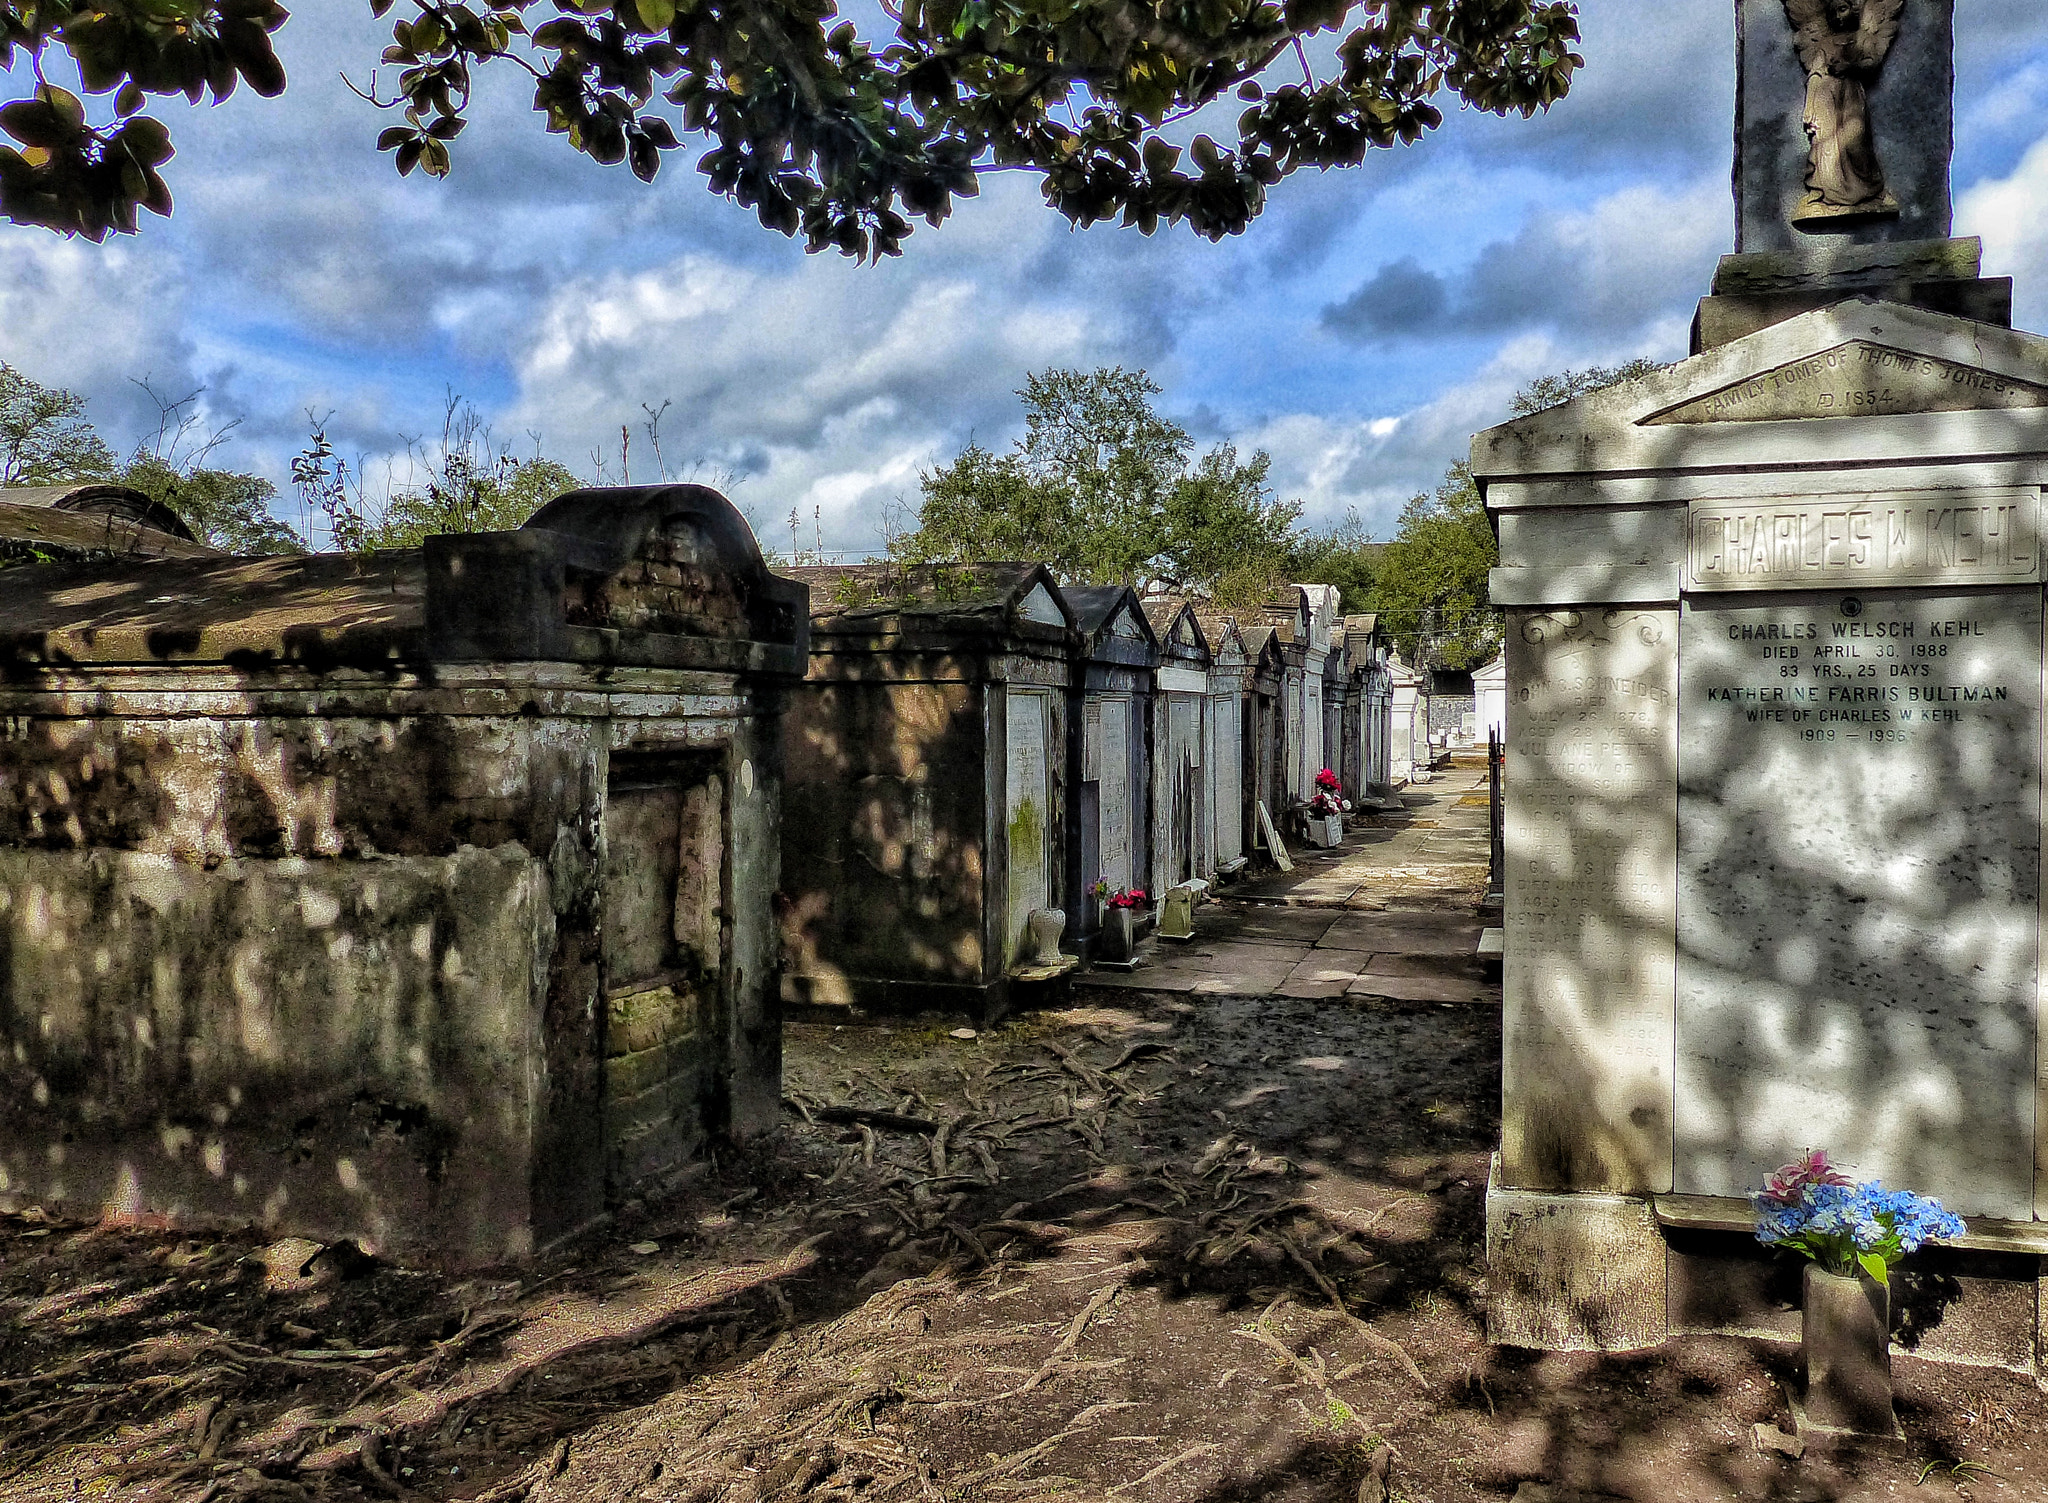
[420, 899]
[1181, 811]
[1336, 699]
[1230, 672]
[89, 522]
[1369, 716]
[929, 786]
[1114, 666]
[1265, 751]
[1775, 740]
[1408, 721]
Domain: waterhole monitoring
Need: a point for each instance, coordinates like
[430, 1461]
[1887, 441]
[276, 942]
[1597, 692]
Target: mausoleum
[420, 897]
[1115, 663]
[929, 790]
[1774, 792]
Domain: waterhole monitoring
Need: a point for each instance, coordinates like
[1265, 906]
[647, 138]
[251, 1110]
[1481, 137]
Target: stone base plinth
[1573, 1273]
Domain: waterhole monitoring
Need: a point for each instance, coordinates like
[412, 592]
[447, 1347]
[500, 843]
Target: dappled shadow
[1093, 1141]
[1859, 868]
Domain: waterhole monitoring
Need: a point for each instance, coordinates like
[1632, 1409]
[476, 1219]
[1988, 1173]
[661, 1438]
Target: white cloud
[301, 272]
[2007, 212]
[93, 319]
[824, 385]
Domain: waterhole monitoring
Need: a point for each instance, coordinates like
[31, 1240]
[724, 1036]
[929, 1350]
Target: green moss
[1027, 827]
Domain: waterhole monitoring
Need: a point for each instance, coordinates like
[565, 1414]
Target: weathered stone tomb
[421, 897]
[929, 784]
[1183, 817]
[1115, 666]
[89, 521]
[1230, 715]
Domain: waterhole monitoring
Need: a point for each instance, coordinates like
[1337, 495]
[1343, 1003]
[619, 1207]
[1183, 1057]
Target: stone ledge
[1727, 317]
[1622, 584]
[1846, 265]
[1725, 1213]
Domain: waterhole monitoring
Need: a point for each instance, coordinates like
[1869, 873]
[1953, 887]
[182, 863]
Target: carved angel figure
[1842, 45]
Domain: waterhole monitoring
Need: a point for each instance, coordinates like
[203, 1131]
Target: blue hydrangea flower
[1835, 1223]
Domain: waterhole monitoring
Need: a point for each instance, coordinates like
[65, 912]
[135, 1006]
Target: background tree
[1430, 582]
[1345, 556]
[1546, 392]
[815, 127]
[224, 508]
[1430, 585]
[1101, 489]
[45, 438]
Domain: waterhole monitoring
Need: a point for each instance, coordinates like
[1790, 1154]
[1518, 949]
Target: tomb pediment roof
[1226, 641]
[1105, 611]
[1178, 628]
[866, 597]
[1857, 382]
[109, 503]
[38, 530]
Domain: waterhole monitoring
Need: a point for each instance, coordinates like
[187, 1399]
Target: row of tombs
[444, 897]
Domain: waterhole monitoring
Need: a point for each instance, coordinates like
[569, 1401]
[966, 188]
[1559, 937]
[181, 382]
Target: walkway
[1391, 914]
[1435, 848]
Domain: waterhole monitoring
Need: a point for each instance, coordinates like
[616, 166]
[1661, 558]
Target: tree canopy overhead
[819, 130]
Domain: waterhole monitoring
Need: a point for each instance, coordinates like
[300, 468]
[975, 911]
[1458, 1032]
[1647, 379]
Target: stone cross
[1845, 122]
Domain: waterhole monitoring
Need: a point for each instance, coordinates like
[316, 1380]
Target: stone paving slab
[1463, 967]
[1262, 921]
[1324, 974]
[1420, 989]
[1404, 934]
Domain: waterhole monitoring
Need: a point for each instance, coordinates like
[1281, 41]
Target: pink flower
[1790, 1182]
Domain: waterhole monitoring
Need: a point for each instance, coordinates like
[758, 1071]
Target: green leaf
[1876, 1267]
[656, 15]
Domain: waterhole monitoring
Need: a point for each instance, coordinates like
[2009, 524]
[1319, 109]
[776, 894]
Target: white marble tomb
[1774, 796]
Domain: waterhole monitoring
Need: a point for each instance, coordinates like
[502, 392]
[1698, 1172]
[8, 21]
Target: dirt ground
[1155, 1246]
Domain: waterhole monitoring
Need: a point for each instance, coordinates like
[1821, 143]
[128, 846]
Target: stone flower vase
[1845, 1336]
[1119, 942]
[1047, 925]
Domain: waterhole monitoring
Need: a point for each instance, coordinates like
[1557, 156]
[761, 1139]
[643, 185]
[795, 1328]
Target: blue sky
[1362, 329]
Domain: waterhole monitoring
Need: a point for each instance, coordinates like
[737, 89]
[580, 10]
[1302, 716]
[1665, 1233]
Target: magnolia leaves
[823, 134]
[818, 131]
[68, 174]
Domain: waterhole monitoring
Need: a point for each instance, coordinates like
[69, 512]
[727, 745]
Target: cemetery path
[1168, 1243]
[1434, 850]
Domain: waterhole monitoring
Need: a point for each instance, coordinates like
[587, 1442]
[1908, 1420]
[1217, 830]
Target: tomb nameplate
[1858, 379]
[1115, 793]
[1029, 806]
[1885, 538]
[1591, 830]
[1859, 891]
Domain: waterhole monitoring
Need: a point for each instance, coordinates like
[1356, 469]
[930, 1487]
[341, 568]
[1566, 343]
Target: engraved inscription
[1882, 538]
[1858, 379]
[1859, 891]
[1591, 821]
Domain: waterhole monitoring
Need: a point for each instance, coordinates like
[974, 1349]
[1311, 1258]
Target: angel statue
[1843, 45]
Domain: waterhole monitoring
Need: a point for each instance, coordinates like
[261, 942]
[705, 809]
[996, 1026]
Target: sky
[1360, 331]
